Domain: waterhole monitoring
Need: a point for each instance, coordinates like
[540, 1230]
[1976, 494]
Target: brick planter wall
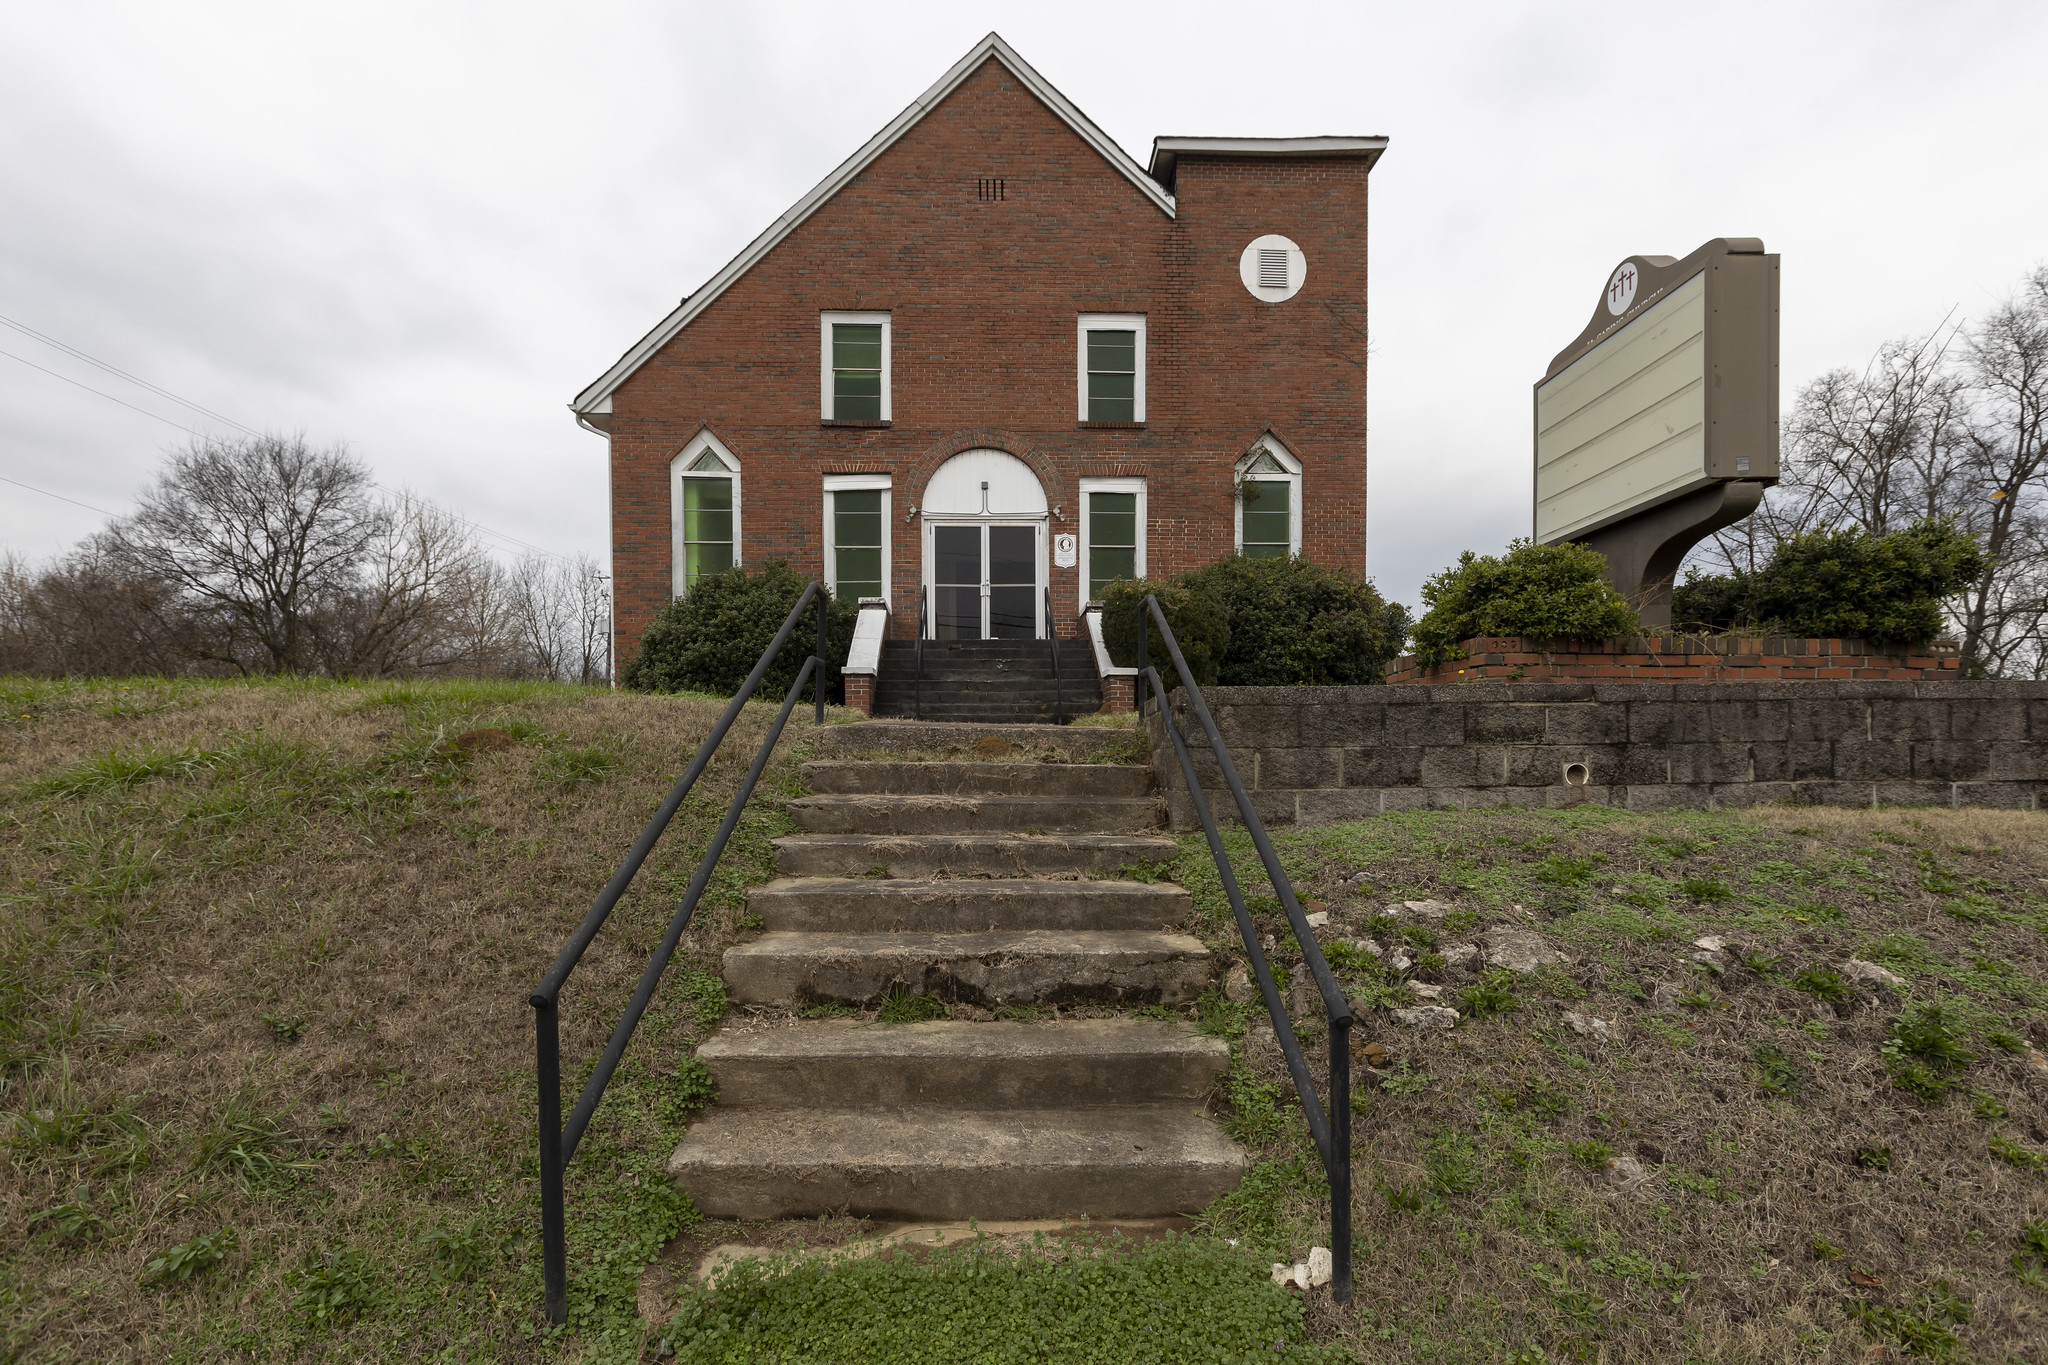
[1683, 658]
[1313, 754]
[860, 692]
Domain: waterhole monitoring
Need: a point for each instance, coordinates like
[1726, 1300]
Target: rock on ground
[1427, 1017]
[1520, 950]
[1856, 969]
[1586, 1026]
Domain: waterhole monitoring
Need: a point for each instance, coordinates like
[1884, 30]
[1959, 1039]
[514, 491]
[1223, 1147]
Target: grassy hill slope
[267, 1064]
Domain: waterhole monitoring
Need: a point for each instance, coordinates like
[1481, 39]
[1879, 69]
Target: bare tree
[2007, 462]
[561, 611]
[1881, 450]
[1953, 424]
[85, 615]
[406, 610]
[261, 533]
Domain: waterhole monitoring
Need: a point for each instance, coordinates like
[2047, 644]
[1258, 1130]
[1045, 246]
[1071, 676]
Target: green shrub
[710, 640]
[1845, 582]
[1200, 625]
[1295, 623]
[1547, 592]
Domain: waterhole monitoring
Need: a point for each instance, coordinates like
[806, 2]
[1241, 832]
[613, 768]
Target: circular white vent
[1273, 268]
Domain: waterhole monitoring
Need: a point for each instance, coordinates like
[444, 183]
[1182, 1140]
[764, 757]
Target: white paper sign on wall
[1065, 552]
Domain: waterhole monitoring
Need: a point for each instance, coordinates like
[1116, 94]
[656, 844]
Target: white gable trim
[600, 392]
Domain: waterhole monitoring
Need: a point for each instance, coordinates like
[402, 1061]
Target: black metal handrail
[558, 1140]
[1052, 631]
[1329, 1125]
[924, 595]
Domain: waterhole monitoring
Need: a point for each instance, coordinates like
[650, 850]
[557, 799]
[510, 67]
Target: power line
[71, 350]
[58, 496]
[108, 396]
[68, 349]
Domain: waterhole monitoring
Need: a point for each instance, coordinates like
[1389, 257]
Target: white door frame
[1040, 567]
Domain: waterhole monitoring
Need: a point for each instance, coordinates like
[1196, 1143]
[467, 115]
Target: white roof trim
[991, 46]
[1167, 151]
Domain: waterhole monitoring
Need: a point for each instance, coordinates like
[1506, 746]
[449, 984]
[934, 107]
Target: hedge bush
[1547, 592]
[1296, 623]
[1262, 623]
[1200, 627]
[711, 639]
[1832, 583]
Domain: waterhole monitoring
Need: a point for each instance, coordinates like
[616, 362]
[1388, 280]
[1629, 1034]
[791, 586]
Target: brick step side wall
[1684, 658]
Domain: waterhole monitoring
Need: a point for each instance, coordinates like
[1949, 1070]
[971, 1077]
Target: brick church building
[991, 354]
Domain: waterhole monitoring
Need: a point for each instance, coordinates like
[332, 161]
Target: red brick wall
[1511, 658]
[983, 298]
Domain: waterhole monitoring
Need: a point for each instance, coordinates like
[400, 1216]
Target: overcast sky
[421, 228]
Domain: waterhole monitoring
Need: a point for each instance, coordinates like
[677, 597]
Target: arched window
[704, 510]
[1268, 502]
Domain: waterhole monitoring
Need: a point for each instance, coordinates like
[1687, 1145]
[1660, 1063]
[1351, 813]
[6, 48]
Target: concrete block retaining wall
[1315, 754]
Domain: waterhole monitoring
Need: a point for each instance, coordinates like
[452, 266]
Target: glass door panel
[956, 582]
[1013, 582]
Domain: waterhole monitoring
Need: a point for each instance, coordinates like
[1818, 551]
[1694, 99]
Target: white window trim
[835, 483]
[1088, 486]
[1285, 459]
[1109, 322]
[825, 321]
[678, 470]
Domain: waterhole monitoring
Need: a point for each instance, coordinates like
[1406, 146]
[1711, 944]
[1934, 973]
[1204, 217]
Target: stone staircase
[990, 681]
[976, 865]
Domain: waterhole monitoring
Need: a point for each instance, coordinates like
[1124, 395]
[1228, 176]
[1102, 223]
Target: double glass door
[985, 581]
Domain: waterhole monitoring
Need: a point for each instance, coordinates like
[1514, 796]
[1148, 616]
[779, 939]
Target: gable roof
[596, 399]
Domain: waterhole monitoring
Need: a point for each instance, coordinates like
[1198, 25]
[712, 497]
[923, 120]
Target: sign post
[1658, 425]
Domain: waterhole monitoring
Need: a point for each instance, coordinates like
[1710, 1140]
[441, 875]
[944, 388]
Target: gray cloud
[421, 229]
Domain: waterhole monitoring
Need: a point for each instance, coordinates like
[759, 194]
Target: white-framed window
[1268, 502]
[1112, 533]
[1110, 367]
[857, 535]
[704, 510]
[853, 367]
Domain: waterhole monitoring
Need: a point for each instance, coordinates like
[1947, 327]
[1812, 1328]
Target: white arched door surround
[984, 520]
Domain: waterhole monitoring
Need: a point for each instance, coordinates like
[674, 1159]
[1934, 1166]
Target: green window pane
[856, 528]
[1112, 386]
[1111, 409]
[857, 397]
[1266, 528]
[1113, 351]
[707, 495]
[706, 558]
[1105, 566]
[1112, 521]
[857, 346]
[859, 573]
[1267, 532]
[1265, 497]
[863, 500]
[707, 526]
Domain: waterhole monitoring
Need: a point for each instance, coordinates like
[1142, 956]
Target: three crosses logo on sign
[1621, 289]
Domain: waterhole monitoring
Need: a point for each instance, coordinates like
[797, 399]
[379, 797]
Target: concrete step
[838, 777]
[1074, 1064]
[1009, 713]
[969, 855]
[954, 905]
[1103, 1163]
[1004, 967]
[976, 814]
[921, 737]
